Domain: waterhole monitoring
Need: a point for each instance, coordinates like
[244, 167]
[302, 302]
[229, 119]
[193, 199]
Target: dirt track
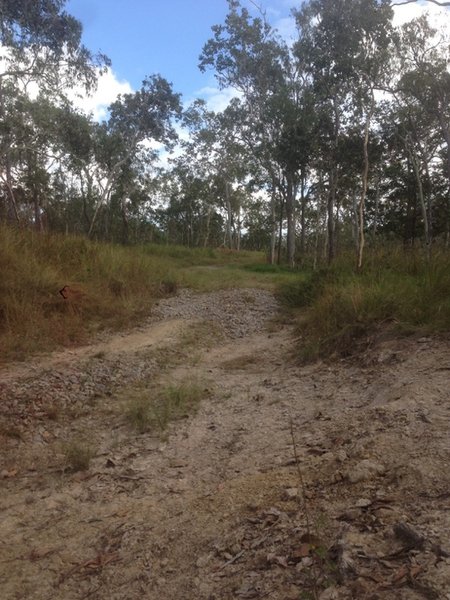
[214, 509]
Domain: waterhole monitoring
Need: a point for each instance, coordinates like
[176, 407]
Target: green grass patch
[150, 409]
[206, 279]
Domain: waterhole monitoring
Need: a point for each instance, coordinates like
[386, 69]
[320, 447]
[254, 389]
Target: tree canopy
[337, 139]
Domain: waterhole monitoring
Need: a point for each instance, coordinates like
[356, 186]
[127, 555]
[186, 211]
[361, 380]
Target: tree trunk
[377, 207]
[229, 215]
[208, 226]
[416, 167]
[37, 211]
[280, 231]
[273, 215]
[446, 134]
[302, 216]
[125, 226]
[320, 204]
[11, 204]
[290, 216]
[238, 228]
[330, 216]
[355, 222]
[362, 201]
[333, 184]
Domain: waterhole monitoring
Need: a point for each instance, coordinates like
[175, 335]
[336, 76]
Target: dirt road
[327, 481]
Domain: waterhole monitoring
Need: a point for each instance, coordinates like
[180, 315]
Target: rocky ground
[326, 481]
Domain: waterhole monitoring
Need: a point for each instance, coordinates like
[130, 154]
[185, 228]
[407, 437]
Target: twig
[232, 560]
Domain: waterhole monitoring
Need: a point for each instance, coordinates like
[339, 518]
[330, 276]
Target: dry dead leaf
[273, 559]
[302, 551]
[400, 575]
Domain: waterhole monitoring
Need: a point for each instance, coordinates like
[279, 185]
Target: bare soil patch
[213, 508]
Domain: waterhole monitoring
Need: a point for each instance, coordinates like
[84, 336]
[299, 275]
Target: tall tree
[247, 55]
[343, 45]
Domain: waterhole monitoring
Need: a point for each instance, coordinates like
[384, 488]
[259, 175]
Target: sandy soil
[327, 481]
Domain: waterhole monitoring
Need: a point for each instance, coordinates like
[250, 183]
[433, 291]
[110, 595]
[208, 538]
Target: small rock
[341, 455]
[290, 494]
[293, 593]
[365, 469]
[363, 502]
[336, 477]
[202, 561]
[330, 593]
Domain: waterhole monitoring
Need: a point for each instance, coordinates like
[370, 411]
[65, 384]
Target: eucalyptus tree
[414, 144]
[247, 55]
[218, 155]
[41, 48]
[135, 120]
[424, 55]
[343, 46]
[420, 96]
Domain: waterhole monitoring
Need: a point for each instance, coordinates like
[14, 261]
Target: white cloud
[437, 15]
[217, 100]
[108, 88]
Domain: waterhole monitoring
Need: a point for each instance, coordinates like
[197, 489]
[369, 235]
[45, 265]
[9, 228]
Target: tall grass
[341, 308]
[115, 285]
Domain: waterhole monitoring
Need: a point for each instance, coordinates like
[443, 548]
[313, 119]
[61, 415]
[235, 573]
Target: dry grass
[340, 308]
[109, 286]
[77, 455]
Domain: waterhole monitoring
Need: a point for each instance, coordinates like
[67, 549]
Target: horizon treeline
[337, 139]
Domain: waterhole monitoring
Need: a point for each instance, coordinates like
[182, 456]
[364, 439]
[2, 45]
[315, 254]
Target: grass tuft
[111, 286]
[154, 409]
[78, 455]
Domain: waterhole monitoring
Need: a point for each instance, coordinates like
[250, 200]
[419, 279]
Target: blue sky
[150, 36]
[143, 37]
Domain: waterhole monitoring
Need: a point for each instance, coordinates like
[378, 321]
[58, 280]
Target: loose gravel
[237, 313]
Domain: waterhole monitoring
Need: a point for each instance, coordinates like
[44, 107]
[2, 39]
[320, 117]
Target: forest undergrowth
[340, 311]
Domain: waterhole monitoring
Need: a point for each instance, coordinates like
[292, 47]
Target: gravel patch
[237, 312]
